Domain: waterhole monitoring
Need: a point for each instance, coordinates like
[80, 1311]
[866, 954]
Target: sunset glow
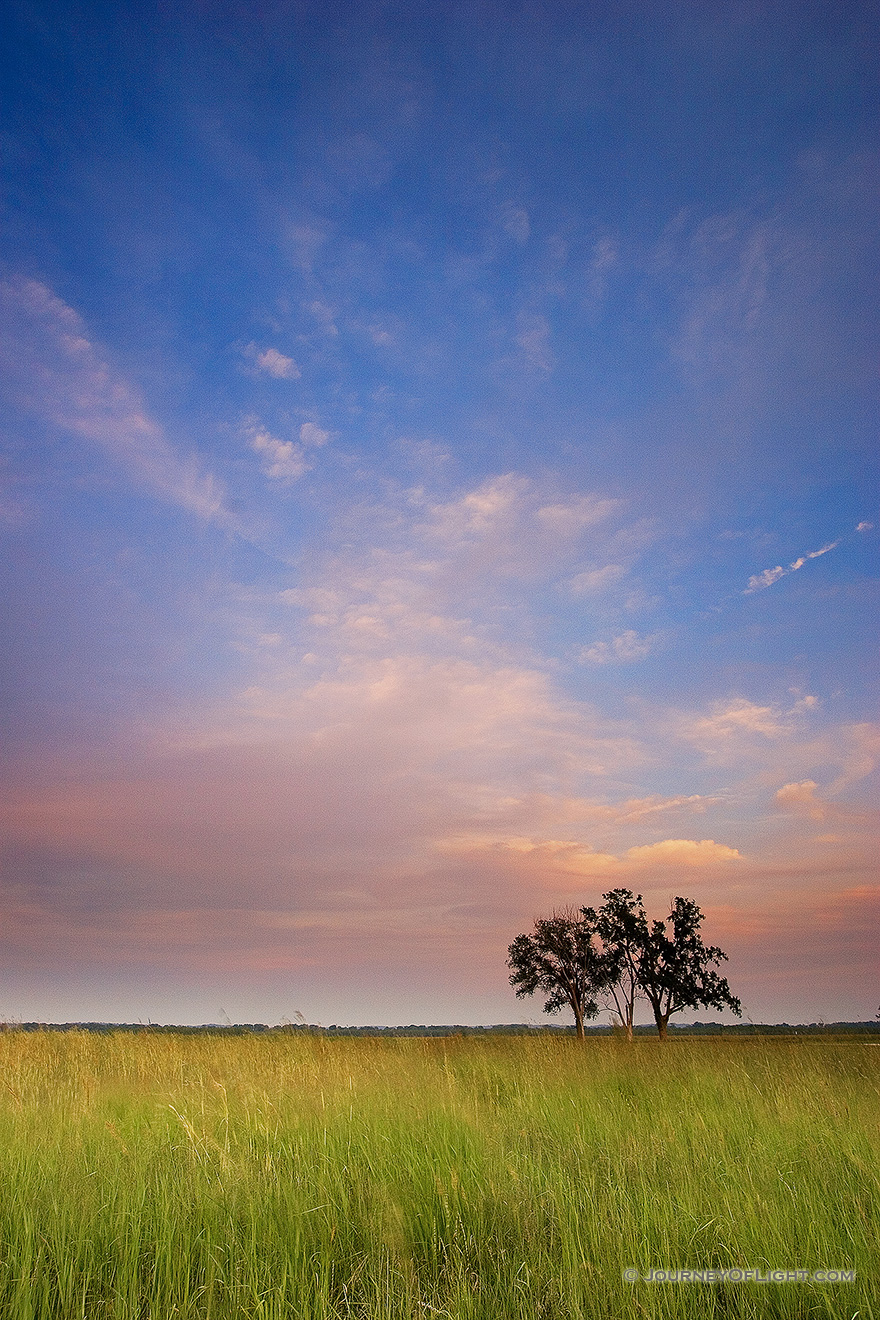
[439, 485]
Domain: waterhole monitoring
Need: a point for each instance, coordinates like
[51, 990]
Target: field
[159, 1175]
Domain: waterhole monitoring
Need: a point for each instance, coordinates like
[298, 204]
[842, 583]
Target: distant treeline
[502, 1029]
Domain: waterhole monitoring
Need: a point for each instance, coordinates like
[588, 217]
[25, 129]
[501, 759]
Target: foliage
[622, 929]
[615, 954]
[561, 959]
[676, 967]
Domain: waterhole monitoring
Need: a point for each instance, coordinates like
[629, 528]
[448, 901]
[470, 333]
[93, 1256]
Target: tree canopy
[676, 967]
[621, 927]
[614, 954]
[561, 959]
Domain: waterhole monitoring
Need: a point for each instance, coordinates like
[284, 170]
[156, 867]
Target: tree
[622, 927]
[675, 966]
[560, 958]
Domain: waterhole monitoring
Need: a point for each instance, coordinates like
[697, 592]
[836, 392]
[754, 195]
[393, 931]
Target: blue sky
[438, 485]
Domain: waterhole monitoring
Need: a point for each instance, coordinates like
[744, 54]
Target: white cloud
[480, 512]
[772, 745]
[272, 363]
[462, 736]
[765, 579]
[426, 455]
[54, 371]
[864, 527]
[638, 808]
[310, 434]
[814, 554]
[771, 575]
[594, 580]
[623, 649]
[388, 619]
[505, 529]
[523, 821]
[452, 577]
[569, 863]
[282, 460]
[857, 755]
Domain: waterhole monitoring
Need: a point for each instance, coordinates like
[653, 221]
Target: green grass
[164, 1176]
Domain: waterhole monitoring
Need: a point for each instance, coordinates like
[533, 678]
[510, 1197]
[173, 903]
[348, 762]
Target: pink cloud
[802, 798]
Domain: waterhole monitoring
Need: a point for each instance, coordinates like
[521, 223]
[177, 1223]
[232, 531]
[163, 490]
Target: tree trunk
[579, 1024]
[662, 1022]
[629, 1032]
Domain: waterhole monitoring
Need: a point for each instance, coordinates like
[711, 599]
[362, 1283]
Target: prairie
[159, 1175]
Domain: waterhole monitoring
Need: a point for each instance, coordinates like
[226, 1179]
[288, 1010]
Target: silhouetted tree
[561, 958]
[675, 967]
[622, 927]
[615, 953]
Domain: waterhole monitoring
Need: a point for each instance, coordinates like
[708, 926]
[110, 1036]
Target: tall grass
[277, 1176]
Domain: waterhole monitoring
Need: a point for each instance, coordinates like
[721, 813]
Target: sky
[438, 486]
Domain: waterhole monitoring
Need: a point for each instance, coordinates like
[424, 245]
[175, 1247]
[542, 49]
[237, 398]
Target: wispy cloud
[53, 370]
[604, 258]
[732, 720]
[570, 517]
[594, 580]
[453, 576]
[570, 864]
[533, 339]
[766, 579]
[769, 744]
[730, 261]
[515, 221]
[505, 529]
[325, 316]
[771, 575]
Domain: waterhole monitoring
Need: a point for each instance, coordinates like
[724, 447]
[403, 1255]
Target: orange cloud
[682, 852]
[568, 863]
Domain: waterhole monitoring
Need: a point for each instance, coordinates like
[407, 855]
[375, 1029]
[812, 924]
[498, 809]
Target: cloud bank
[403, 762]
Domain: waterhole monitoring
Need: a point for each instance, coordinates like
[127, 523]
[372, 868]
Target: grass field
[164, 1176]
